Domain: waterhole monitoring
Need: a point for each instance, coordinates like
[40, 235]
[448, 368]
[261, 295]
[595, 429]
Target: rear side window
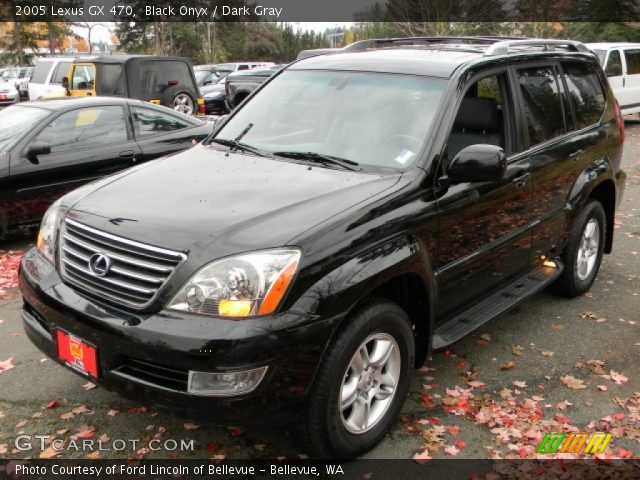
[156, 75]
[112, 80]
[633, 61]
[585, 91]
[41, 71]
[148, 122]
[61, 72]
[542, 103]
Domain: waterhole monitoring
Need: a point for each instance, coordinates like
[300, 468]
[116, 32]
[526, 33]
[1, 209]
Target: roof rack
[503, 47]
[381, 42]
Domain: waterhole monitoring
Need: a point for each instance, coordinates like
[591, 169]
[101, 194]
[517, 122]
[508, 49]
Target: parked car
[167, 81]
[237, 66]
[209, 74]
[239, 85]
[51, 147]
[214, 97]
[46, 80]
[22, 84]
[8, 92]
[359, 211]
[621, 64]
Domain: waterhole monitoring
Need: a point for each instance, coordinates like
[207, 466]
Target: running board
[492, 306]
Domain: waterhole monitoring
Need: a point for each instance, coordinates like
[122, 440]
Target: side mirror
[614, 70]
[36, 149]
[207, 82]
[478, 163]
[219, 121]
[65, 82]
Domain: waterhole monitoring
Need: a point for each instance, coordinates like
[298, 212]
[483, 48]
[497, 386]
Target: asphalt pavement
[550, 364]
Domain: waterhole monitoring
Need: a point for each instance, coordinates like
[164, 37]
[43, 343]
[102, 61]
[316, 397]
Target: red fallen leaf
[6, 365]
[434, 420]
[421, 457]
[213, 447]
[236, 431]
[446, 353]
[52, 404]
[87, 433]
[622, 453]
[426, 401]
[460, 364]
[460, 443]
[453, 430]
[617, 416]
[618, 378]
[562, 419]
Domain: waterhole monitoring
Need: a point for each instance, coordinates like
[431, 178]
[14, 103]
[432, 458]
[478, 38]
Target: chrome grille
[136, 271]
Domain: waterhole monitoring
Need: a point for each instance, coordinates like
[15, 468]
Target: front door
[82, 80]
[484, 238]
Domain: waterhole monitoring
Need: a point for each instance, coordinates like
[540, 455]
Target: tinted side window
[61, 71]
[614, 64]
[155, 75]
[585, 91]
[633, 61]
[148, 122]
[84, 128]
[112, 80]
[542, 103]
[41, 71]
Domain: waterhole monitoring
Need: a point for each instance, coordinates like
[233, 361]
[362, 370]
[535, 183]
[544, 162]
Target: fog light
[225, 384]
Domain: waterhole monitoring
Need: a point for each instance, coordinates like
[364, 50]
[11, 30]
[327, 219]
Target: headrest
[477, 115]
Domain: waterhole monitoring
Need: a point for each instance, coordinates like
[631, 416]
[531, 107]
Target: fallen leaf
[507, 365]
[451, 450]
[485, 337]
[51, 404]
[421, 457]
[87, 432]
[213, 447]
[6, 365]
[517, 350]
[49, 453]
[572, 382]
[80, 409]
[236, 431]
[112, 413]
[460, 443]
[547, 354]
[596, 366]
[67, 416]
[505, 394]
[89, 386]
[590, 315]
[3, 448]
[617, 378]
[93, 455]
[64, 431]
[602, 388]
[21, 424]
[520, 383]
[190, 426]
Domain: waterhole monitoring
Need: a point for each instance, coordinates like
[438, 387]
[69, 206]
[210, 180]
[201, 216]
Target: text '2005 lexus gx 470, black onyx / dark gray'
[357, 211]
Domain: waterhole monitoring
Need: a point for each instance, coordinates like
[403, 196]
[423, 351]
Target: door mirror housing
[478, 163]
[614, 70]
[65, 82]
[36, 149]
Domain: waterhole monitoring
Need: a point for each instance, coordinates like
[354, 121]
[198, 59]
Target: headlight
[47, 233]
[241, 286]
[213, 95]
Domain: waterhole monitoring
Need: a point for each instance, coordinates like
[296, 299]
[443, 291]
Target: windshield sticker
[405, 156]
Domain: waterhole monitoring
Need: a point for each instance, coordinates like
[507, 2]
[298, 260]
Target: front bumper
[215, 106]
[149, 356]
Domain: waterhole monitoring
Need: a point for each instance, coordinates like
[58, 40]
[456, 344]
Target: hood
[216, 87]
[215, 203]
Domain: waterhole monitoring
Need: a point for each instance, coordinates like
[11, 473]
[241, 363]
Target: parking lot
[549, 365]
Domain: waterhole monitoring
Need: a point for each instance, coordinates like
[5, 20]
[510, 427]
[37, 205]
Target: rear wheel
[583, 254]
[362, 382]
[183, 103]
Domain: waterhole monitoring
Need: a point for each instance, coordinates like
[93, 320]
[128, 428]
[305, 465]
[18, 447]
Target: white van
[46, 80]
[621, 64]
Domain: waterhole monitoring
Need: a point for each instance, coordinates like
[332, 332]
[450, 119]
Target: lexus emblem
[99, 264]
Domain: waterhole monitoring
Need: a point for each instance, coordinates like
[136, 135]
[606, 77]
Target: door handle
[521, 181]
[127, 154]
[575, 156]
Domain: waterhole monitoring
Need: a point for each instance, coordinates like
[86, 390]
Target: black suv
[361, 209]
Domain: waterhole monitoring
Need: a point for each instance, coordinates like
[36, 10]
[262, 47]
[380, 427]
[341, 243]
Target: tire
[582, 256]
[327, 429]
[183, 103]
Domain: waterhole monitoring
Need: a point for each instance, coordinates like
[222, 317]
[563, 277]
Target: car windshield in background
[601, 54]
[15, 121]
[373, 119]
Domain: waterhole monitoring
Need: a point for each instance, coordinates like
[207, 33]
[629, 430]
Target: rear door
[86, 144]
[159, 132]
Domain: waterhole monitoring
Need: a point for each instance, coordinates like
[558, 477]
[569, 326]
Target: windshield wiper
[235, 145]
[321, 158]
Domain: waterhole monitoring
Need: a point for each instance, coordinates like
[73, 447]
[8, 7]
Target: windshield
[10, 74]
[201, 75]
[601, 54]
[16, 121]
[373, 119]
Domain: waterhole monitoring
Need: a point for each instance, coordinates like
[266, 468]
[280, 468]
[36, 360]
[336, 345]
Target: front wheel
[583, 254]
[361, 384]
